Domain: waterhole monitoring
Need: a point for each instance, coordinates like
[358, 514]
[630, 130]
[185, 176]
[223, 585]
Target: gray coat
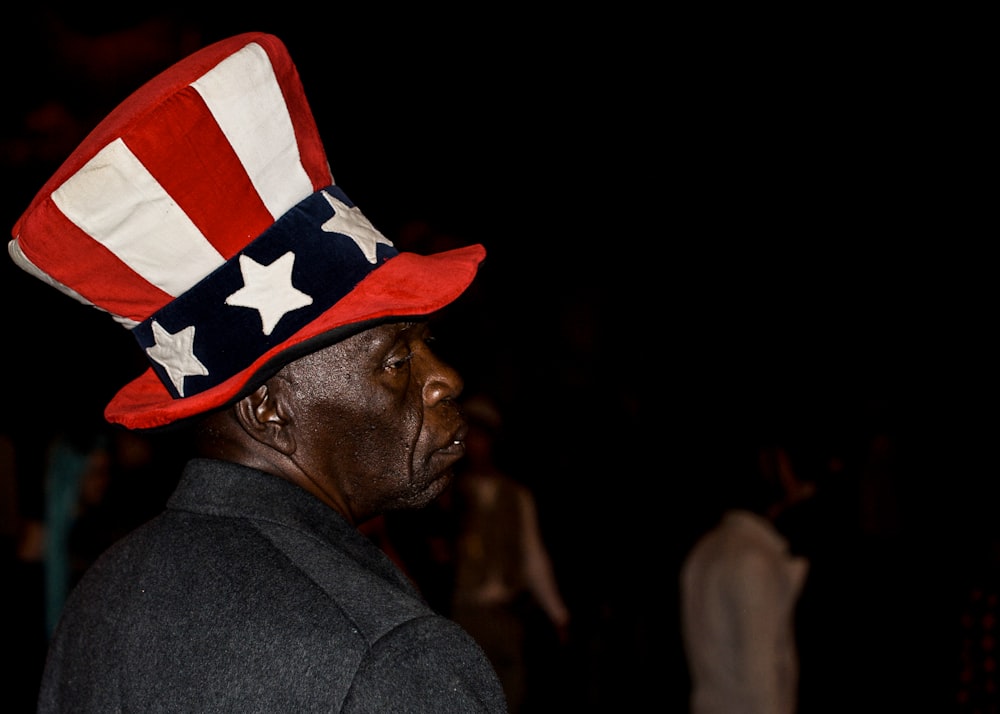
[249, 595]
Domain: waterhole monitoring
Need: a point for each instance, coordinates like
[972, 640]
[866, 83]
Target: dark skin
[368, 425]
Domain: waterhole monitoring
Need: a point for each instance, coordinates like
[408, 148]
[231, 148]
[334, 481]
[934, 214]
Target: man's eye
[399, 363]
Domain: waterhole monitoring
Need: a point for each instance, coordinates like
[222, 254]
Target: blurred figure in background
[502, 568]
[740, 584]
[76, 480]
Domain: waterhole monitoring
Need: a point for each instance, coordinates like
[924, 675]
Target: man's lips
[455, 448]
[456, 444]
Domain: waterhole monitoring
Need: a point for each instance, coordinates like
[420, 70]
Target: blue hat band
[310, 258]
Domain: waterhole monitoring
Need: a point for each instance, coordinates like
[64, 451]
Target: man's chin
[429, 493]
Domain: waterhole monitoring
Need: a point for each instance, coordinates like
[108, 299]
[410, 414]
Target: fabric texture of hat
[203, 216]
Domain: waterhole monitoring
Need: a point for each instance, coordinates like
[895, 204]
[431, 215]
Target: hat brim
[408, 285]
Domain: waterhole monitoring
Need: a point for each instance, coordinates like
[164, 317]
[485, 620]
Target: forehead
[383, 336]
[368, 344]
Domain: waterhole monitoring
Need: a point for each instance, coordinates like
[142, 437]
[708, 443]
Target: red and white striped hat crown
[202, 215]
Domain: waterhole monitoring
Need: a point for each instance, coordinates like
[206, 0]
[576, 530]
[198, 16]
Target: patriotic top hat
[202, 215]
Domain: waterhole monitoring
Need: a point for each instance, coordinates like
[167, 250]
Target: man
[740, 584]
[202, 215]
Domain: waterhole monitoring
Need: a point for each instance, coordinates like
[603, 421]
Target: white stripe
[245, 99]
[21, 260]
[119, 204]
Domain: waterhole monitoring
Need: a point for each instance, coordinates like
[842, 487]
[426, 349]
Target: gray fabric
[249, 595]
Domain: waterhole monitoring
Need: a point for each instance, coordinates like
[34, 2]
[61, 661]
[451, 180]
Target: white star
[176, 353]
[268, 289]
[353, 224]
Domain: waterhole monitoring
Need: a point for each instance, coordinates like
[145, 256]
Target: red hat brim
[408, 285]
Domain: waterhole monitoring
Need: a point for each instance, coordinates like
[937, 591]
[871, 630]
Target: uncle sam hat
[202, 215]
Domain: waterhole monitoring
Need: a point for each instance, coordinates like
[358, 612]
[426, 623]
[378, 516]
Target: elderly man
[202, 215]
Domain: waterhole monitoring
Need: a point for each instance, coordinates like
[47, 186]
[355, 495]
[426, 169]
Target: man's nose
[442, 382]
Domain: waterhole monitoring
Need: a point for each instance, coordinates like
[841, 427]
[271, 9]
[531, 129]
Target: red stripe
[200, 171]
[137, 104]
[70, 256]
[313, 156]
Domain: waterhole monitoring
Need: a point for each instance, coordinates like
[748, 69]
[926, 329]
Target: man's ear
[266, 418]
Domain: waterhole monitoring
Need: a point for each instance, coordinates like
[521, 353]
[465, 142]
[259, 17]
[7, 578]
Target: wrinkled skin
[368, 425]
